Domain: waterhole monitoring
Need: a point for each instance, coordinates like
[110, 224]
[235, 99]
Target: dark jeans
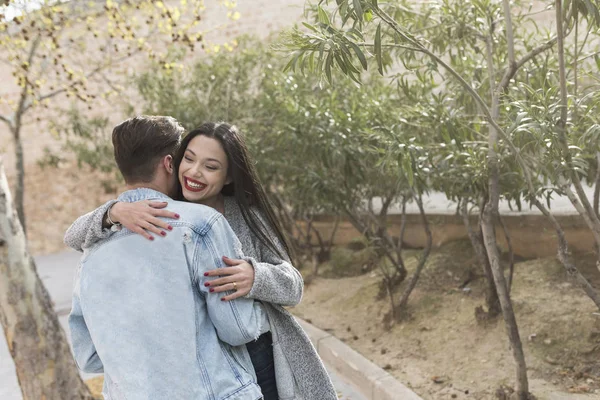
[261, 354]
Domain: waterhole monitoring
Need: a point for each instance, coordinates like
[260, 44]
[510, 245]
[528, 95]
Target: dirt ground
[439, 349]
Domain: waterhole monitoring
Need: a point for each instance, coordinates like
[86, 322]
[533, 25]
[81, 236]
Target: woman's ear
[168, 163]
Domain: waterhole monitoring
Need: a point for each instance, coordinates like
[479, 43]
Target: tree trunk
[511, 254]
[597, 186]
[564, 255]
[20, 188]
[422, 260]
[510, 321]
[490, 212]
[491, 295]
[37, 343]
[383, 243]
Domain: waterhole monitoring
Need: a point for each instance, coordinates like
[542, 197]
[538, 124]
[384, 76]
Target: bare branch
[22, 107]
[510, 39]
[89, 75]
[594, 54]
[528, 57]
[535, 52]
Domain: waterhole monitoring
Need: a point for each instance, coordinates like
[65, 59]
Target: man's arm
[237, 321]
[84, 351]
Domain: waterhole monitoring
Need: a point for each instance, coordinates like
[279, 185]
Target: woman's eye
[211, 167]
[187, 159]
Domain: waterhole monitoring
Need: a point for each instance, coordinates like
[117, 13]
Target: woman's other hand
[239, 271]
[142, 217]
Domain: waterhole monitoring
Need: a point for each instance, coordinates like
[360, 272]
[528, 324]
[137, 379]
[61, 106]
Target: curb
[372, 381]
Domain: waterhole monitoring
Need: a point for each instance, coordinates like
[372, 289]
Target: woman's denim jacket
[142, 316]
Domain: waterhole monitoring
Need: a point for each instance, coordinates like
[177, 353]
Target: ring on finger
[235, 286]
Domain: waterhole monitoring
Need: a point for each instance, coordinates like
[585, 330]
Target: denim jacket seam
[230, 360]
[238, 390]
[209, 224]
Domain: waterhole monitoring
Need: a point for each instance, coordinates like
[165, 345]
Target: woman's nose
[197, 171]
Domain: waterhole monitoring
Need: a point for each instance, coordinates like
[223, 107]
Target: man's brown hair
[140, 142]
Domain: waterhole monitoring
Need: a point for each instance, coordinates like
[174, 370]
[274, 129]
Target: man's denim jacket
[142, 316]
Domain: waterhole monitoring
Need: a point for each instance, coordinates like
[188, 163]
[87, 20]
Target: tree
[74, 50]
[344, 35]
[37, 343]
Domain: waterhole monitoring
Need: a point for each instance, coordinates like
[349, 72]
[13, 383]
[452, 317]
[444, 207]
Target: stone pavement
[57, 271]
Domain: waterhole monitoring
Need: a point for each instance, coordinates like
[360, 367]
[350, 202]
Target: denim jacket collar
[142, 194]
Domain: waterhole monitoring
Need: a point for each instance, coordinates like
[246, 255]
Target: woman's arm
[141, 217]
[266, 277]
[276, 280]
[88, 229]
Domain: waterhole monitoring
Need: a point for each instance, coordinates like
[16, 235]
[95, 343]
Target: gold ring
[234, 286]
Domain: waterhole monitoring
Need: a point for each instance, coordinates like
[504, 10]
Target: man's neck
[147, 185]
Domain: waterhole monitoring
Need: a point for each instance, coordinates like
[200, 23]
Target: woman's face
[203, 170]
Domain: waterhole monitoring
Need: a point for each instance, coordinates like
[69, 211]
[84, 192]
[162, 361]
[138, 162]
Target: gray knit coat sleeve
[276, 282]
[87, 229]
[275, 279]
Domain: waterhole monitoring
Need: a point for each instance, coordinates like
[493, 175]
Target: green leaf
[358, 9]
[291, 65]
[328, 63]
[321, 59]
[349, 65]
[378, 49]
[368, 15]
[593, 11]
[341, 63]
[309, 26]
[323, 17]
[359, 54]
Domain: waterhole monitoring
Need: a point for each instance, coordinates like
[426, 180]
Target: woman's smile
[193, 185]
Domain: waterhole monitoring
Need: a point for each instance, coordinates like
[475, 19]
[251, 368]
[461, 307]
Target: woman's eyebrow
[213, 159]
[208, 159]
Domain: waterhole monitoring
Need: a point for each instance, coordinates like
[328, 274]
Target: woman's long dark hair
[245, 185]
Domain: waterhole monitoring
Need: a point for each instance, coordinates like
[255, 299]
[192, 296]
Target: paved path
[57, 271]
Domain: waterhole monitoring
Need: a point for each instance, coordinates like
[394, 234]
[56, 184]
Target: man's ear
[168, 163]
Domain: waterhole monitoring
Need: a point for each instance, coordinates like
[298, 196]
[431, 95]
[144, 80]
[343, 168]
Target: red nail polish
[170, 227]
[207, 284]
[177, 216]
[163, 233]
[211, 290]
[222, 298]
[151, 237]
[206, 274]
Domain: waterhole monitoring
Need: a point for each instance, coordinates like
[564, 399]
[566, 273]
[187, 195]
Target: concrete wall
[532, 236]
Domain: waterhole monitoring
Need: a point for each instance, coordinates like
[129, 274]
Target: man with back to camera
[140, 312]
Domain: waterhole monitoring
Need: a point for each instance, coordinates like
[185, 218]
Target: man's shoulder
[198, 215]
